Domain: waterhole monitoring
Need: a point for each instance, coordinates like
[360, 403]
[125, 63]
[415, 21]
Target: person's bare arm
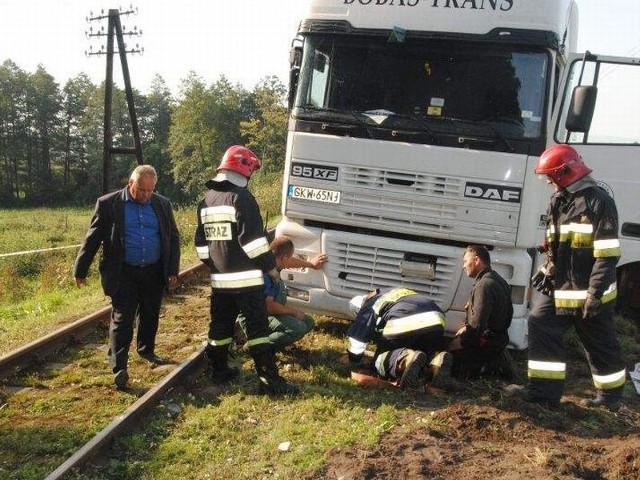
[317, 262]
[275, 308]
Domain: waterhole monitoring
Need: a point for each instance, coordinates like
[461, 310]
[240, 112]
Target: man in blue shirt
[140, 256]
[287, 324]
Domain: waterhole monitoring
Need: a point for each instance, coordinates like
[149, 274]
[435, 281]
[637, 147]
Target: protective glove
[543, 280]
[592, 307]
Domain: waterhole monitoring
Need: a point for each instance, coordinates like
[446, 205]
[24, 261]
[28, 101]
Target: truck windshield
[435, 83]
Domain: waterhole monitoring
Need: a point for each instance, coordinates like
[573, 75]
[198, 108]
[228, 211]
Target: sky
[245, 40]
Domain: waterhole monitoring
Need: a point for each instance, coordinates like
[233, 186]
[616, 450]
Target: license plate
[314, 194]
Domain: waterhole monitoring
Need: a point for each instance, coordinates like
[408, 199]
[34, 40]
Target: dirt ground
[481, 431]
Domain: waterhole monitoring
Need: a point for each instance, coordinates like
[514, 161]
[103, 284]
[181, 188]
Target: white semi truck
[414, 129]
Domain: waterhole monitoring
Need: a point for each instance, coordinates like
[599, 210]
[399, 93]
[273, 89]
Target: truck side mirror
[581, 108]
[295, 60]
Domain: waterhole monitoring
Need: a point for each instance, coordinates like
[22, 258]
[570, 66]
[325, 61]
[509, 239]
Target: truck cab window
[428, 79]
[616, 116]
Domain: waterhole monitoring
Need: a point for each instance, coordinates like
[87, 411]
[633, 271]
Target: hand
[319, 260]
[592, 307]
[81, 282]
[172, 282]
[299, 314]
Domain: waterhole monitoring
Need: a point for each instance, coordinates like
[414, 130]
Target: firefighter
[230, 239]
[407, 328]
[578, 282]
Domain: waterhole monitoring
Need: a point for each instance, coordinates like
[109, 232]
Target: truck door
[598, 113]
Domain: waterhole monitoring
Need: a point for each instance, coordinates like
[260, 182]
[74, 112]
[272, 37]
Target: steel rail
[128, 419]
[25, 356]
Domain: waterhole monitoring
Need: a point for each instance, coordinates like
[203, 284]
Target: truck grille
[360, 263]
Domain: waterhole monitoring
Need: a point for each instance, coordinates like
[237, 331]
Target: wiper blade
[484, 123]
[419, 120]
[344, 116]
[498, 134]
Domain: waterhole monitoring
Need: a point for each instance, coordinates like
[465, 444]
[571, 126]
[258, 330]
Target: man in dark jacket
[578, 283]
[140, 256]
[230, 239]
[479, 346]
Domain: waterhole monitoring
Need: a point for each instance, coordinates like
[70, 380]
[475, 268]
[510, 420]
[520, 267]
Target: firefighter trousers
[224, 311]
[547, 354]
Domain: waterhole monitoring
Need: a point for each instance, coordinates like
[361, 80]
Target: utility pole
[116, 29]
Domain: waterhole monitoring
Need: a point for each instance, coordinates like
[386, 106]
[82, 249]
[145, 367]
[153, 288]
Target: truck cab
[414, 131]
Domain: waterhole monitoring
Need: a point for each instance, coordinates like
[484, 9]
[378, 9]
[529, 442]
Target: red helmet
[239, 159]
[563, 164]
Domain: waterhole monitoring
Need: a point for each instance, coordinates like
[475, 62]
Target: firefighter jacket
[231, 240]
[582, 241]
[393, 314]
[488, 312]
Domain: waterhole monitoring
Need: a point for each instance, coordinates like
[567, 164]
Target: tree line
[51, 138]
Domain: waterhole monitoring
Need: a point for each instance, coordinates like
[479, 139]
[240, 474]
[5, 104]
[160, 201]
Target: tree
[155, 124]
[14, 137]
[266, 133]
[204, 124]
[44, 106]
[77, 94]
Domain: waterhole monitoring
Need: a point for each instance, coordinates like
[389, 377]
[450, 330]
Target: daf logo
[492, 192]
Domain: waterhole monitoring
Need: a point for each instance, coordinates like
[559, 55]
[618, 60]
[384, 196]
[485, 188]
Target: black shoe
[414, 375]
[603, 401]
[121, 378]
[224, 375]
[277, 387]
[153, 358]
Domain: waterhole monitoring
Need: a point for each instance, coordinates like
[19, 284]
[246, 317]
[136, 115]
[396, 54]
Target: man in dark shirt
[479, 346]
[140, 256]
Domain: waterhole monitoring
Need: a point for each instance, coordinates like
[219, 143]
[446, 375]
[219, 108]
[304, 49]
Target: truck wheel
[628, 301]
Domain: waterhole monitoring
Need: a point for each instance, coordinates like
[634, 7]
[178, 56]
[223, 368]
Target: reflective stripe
[256, 247]
[576, 298]
[576, 227]
[379, 364]
[203, 252]
[258, 341]
[547, 370]
[390, 297]
[610, 293]
[356, 346]
[222, 213]
[248, 278]
[413, 323]
[580, 234]
[220, 343]
[607, 382]
[607, 248]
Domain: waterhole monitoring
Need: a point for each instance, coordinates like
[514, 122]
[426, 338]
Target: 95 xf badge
[314, 172]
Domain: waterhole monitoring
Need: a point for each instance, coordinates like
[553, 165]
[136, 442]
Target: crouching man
[407, 329]
[479, 347]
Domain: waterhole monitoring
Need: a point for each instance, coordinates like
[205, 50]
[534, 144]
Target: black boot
[271, 383]
[411, 369]
[221, 372]
[609, 399]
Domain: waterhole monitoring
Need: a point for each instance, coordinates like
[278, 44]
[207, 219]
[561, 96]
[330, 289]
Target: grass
[38, 292]
[213, 432]
[207, 432]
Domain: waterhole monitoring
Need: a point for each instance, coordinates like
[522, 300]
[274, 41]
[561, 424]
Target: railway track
[38, 357]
